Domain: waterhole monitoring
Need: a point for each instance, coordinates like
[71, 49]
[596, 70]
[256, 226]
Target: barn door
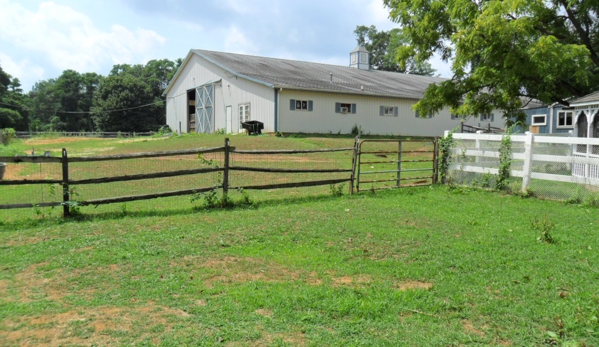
[205, 109]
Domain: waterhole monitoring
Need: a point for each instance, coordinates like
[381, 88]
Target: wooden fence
[465, 128]
[227, 150]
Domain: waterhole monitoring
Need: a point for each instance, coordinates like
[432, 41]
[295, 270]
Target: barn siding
[230, 91]
[324, 119]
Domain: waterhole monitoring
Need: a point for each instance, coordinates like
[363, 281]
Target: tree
[383, 46]
[13, 113]
[503, 53]
[121, 104]
[64, 103]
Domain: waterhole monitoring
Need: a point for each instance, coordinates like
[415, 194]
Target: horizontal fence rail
[534, 159]
[71, 174]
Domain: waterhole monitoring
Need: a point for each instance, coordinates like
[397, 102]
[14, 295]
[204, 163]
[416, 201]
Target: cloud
[237, 42]
[69, 39]
[24, 70]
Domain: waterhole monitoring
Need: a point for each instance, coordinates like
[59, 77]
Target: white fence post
[478, 146]
[528, 153]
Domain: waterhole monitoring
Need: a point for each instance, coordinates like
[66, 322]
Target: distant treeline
[128, 99]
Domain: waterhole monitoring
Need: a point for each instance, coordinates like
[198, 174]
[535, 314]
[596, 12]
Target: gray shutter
[292, 105]
[310, 104]
[382, 111]
[492, 117]
[417, 115]
[337, 107]
[395, 111]
[353, 108]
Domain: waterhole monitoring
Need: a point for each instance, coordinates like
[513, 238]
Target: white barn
[216, 90]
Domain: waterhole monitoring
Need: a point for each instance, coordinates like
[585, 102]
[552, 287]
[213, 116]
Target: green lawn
[421, 266]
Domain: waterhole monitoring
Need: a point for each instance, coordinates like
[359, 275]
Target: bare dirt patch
[296, 338]
[22, 241]
[348, 281]
[469, 328]
[43, 141]
[4, 287]
[61, 328]
[11, 172]
[143, 139]
[33, 285]
[413, 285]
[264, 312]
[272, 158]
[244, 269]
[235, 270]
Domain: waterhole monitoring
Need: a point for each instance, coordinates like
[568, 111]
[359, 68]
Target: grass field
[421, 266]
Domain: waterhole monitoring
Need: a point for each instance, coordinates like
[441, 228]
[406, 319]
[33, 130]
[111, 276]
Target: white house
[217, 90]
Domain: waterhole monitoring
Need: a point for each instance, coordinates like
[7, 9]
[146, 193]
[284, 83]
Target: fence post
[65, 184]
[478, 146]
[353, 165]
[528, 154]
[399, 159]
[226, 169]
[436, 160]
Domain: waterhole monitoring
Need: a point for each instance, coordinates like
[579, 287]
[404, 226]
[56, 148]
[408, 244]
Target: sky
[40, 39]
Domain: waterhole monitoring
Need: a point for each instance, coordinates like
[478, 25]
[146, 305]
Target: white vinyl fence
[554, 167]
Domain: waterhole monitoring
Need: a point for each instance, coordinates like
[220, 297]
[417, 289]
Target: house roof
[293, 74]
[529, 103]
[587, 99]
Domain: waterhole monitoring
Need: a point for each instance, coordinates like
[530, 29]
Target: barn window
[418, 115]
[244, 114]
[564, 119]
[489, 117]
[389, 111]
[301, 105]
[539, 119]
[341, 107]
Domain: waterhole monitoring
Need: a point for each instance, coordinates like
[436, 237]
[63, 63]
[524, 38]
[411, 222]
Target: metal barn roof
[292, 74]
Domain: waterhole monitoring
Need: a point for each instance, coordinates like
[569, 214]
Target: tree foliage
[13, 113]
[126, 88]
[71, 101]
[383, 47]
[64, 103]
[503, 53]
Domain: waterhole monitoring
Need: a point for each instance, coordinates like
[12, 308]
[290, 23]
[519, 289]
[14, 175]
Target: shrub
[7, 135]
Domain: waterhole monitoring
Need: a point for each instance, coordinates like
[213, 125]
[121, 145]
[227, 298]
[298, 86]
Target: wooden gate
[384, 164]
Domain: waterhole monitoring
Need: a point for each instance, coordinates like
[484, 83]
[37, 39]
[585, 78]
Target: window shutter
[292, 105]
[337, 107]
[417, 115]
[353, 108]
[492, 117]
[310, 104]
[382, 111]
[395, 111]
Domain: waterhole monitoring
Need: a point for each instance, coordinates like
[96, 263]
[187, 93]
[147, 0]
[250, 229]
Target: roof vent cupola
[359, 58]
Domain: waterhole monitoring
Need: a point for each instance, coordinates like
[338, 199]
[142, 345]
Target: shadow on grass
[87, 215]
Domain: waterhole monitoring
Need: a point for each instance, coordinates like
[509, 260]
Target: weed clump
[546, 228]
